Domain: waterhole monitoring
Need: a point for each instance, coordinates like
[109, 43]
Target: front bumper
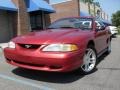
[45, 61]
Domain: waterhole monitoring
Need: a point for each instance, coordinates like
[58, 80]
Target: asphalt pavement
[105, 77]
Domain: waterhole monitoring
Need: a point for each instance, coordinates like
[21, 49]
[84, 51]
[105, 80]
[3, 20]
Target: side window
[87, 24]
[99, 25]
[106, 24]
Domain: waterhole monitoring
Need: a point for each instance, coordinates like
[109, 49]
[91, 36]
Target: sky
[109, 6]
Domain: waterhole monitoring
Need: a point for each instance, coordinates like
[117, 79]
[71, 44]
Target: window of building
[36, 20]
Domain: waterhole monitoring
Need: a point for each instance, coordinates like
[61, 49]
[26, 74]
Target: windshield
[82, 23]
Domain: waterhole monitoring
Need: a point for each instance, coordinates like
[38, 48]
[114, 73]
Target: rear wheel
[89, 60]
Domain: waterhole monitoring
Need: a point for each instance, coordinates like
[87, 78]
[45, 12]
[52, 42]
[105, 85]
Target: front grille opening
[29, 46]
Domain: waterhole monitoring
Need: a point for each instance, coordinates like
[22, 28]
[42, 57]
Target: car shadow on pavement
[53, 77]
[102, 57]
[115, 36]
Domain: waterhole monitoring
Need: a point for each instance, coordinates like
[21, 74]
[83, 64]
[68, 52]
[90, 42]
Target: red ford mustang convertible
[68, 44]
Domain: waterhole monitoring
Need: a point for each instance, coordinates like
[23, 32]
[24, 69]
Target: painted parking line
[41, 87]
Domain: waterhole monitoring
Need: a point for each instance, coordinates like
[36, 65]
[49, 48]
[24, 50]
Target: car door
[100, 37]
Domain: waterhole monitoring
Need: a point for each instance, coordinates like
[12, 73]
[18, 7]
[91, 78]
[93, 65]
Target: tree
[89, 3]
[116, 18]
[96, 4]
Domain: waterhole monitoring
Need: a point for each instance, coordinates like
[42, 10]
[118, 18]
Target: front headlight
[60, 47]
[11, 44]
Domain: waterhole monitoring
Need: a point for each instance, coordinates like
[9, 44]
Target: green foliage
[88, 1]
[116, 18]
[97, 4]
[119, 30]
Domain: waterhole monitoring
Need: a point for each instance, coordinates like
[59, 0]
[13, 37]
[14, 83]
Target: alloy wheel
[89, 60]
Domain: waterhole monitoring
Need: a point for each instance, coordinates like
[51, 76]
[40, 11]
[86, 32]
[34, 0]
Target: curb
[3, 45]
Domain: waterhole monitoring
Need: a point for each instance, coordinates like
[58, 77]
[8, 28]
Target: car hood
[50, 36]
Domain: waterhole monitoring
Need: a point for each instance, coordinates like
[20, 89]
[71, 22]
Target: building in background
[69, 8]
[65, 9]
[37, 10]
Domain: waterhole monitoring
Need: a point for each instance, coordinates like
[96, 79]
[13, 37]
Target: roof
[32, 5]
[35, 5]
[7, 5]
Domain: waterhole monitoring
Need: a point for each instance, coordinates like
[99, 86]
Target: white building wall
[84, 7]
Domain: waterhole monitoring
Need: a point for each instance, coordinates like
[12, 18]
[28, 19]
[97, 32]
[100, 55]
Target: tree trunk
[89, 8]
[94, 10]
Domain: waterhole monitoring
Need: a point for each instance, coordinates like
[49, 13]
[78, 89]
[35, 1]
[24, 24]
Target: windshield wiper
[61, 27]
[51, 28]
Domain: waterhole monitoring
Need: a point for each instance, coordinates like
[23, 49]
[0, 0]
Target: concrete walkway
[118, 35]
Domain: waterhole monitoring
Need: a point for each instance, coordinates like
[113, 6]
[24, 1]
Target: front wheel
[89, 61]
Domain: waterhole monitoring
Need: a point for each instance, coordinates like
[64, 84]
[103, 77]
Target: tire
[89, 61]
[109, 48]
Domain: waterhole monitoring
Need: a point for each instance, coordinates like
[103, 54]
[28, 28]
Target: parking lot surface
[105, 77]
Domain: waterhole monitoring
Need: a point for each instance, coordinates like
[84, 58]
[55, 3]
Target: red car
[68, 44]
